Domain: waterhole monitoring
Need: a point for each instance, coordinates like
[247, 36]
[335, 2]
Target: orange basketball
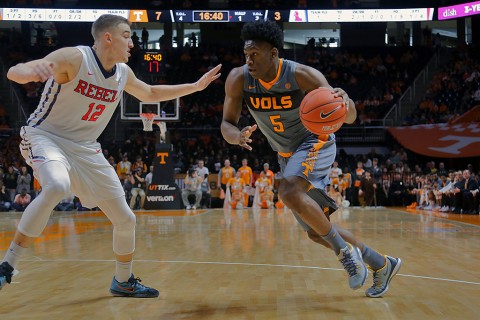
[321, 112]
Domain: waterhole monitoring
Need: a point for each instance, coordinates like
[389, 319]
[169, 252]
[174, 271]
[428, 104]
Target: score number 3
[89, 116]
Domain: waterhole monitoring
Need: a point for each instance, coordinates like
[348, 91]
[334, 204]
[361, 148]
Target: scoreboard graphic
[218, 16]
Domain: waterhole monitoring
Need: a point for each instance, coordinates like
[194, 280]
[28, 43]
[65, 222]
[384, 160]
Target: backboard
[131, 108]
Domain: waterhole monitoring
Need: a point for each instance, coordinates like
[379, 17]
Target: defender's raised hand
[208, 78]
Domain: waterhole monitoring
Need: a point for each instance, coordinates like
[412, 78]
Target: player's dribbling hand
[339, 92]
[43, 70]
[245, 134]
[208, 78]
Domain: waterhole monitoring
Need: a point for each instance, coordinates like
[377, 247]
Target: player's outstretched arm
[63, 64]
[232, 107]
[148, 93]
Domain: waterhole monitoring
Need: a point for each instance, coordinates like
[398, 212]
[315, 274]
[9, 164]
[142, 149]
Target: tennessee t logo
[162, 156]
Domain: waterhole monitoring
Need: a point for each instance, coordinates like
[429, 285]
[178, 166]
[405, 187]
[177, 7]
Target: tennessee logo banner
[441, 140]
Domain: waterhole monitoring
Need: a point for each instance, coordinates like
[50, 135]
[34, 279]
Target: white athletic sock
[13, 254]
[123, 271]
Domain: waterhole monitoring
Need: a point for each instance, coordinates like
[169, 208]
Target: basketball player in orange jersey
[83, 88]
[246, 174]
[273, 89]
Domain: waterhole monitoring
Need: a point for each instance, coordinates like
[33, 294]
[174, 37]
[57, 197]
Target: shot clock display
[151, 63]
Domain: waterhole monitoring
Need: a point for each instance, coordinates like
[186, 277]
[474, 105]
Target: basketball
[321, 112]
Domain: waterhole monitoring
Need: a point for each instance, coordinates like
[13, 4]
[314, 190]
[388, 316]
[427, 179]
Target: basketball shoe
[351, 259]
[132, 288]
[383, 276]
[6, 273]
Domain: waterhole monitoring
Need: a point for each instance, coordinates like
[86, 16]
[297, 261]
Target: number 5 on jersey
[277, 123]
[97, 111]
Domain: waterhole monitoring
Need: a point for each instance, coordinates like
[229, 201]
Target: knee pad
[123, 220]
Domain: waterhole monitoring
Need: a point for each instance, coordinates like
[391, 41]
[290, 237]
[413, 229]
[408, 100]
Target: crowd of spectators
[376, 79]
[455, 89]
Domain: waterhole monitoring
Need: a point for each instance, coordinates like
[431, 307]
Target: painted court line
[251, 265]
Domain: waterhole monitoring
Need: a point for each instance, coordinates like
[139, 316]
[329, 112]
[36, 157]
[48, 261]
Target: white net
[147, 119]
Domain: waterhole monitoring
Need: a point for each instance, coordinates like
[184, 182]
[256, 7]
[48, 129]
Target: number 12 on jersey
[89, 116]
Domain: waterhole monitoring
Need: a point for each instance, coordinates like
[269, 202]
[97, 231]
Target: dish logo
[450, 13]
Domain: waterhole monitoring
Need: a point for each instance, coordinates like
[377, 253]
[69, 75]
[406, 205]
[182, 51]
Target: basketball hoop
[147, 119]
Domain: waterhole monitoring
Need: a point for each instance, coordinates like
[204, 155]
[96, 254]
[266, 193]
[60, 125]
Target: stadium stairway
[415, 93]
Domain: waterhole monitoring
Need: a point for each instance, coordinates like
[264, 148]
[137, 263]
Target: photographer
[192, 187]
[137, 179]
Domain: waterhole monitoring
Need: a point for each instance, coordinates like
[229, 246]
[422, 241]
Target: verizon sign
[458, 11]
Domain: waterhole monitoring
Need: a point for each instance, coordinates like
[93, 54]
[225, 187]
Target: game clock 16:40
[212, 16]
[151, 63]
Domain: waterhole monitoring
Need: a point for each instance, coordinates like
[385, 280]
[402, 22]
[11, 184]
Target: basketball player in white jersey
[273, 88]
[83, 88]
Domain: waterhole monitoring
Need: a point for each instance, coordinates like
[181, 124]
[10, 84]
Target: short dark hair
[267, 31]
[105, 22]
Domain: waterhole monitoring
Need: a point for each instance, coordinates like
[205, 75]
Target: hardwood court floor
[244, 265]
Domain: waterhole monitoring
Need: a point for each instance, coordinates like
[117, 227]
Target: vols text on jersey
[271, 103]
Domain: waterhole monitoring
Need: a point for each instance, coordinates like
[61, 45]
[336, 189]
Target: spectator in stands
[192, 187]
[446, 200]
[367, 189]
[470, 185]
[137, 179]
[67, 203]
[335, 172]
[441, 170]
[334, 193]
[139, 163]
[10, 182]
[113, 163]
[22, 200]
[397, 191]
[224, 175]
[356, 180]
[135, 40]
[376, 171]
[246, 173]
[123, 167]
[24, 180]
[201, 169]
[206, 193]
[149, 177]
[5, 201]
[269, 174]
[145, 35]
[236, 186]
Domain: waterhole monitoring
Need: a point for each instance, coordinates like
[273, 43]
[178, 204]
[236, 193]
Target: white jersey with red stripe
[80, 109]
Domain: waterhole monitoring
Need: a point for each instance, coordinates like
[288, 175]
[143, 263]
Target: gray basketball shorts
[312, 161]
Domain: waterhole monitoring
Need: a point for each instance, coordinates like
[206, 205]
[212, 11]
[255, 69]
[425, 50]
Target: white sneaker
[429, 207]
[194, 208]
[189, 207]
